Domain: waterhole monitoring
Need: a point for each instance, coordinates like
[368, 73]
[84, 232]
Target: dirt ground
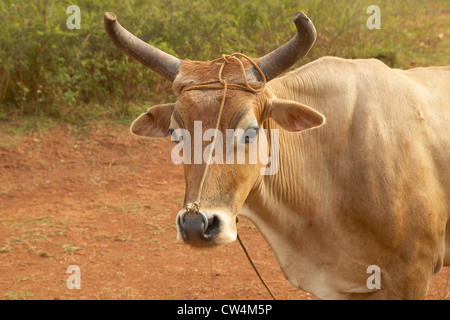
[105, 201]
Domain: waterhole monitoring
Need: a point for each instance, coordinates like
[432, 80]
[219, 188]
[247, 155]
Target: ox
[369, 187]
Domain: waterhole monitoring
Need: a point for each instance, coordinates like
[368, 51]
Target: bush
[47, 69]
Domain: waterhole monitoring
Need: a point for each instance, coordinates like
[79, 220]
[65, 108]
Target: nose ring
[183, 212]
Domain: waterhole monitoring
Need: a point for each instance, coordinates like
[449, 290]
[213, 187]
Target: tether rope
[225, 86]
[227, 59]
[254, 267]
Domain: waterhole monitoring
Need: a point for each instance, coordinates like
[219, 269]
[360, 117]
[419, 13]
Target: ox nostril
[197, 229]
[213, 226]
[194, 221]
[195, 214]
[193, 227]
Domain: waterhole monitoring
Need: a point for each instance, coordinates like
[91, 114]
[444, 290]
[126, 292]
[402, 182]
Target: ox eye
[250, 135]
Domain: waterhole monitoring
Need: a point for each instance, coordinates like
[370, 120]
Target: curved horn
[277, 61]
[157, 60]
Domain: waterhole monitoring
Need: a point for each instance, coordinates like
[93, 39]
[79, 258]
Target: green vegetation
[18, 296]
[47, 70]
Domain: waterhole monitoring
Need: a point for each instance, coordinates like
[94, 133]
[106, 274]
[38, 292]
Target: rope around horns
[227, 59]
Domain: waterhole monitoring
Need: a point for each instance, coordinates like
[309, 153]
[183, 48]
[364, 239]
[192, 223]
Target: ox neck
[292, 188]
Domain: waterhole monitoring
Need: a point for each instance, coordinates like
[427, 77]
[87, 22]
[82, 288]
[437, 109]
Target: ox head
[215, 191]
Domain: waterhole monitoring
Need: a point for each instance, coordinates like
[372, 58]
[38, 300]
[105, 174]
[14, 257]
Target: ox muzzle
[196, 228]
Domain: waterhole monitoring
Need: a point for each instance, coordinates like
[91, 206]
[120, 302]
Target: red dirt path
[106, 201]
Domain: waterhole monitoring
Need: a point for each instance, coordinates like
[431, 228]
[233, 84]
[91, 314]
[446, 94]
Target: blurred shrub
[47, 69]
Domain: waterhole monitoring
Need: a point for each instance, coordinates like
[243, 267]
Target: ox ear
[294, 116]
[155, 122]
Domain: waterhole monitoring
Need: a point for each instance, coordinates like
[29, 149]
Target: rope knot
[226, 58]
[192, 206]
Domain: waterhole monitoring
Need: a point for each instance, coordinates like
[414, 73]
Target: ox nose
[196, 228]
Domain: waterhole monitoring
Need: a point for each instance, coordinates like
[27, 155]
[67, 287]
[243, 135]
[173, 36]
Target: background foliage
[77, 75]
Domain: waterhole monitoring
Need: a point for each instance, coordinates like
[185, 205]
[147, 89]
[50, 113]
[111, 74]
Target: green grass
[67, 248]
[76, 76]
[33, 234]
[17, 295]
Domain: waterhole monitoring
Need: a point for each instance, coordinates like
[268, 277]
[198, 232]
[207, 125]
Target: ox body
[369, 187]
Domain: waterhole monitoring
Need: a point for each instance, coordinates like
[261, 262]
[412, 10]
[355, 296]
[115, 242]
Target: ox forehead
[192, 73]
[209, 89]
[369, 188]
